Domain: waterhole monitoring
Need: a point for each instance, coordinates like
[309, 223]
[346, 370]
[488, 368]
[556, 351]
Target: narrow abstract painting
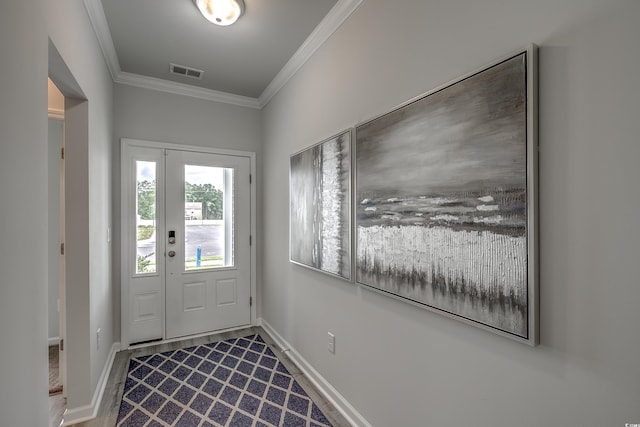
[320, 201]
[444, 200]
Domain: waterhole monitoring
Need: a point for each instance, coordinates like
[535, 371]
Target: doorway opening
[55, 261]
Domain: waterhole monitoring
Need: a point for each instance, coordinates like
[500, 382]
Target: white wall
[88, 169]
[164, 117]
[23, 165]
[399, 365]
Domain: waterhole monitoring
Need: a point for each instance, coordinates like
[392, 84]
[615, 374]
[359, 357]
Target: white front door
[208, 248]
[186, 259]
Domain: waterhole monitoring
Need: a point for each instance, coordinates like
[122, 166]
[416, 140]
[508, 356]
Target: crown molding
[101, 29]
[334, 19]
[184, 89]
[336, 16]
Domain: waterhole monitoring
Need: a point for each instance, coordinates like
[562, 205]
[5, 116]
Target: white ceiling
[244, 64]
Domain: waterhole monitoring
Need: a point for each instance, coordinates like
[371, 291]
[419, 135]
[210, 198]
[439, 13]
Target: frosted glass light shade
[221, 12]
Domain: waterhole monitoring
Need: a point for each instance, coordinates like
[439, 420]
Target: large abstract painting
[445, 199]
[320, 211]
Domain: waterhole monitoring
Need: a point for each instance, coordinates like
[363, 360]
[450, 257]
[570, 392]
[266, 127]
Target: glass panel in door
[145, 217]
[208, 217]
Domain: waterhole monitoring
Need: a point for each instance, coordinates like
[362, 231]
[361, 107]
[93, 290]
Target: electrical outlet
[98, 339]
[331, 344]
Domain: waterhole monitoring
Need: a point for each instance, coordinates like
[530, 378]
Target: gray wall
[88, 136]
[24, 32]
[164, 117]
[23, 159]
[399, 365]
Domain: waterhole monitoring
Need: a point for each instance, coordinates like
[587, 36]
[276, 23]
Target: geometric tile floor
[238, 382]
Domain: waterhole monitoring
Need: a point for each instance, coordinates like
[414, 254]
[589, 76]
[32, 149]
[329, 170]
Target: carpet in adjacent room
[54, 370]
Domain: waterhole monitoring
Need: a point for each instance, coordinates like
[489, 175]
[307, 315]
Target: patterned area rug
[234, 383]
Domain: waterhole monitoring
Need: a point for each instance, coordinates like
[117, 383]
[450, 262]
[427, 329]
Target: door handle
[171, 254]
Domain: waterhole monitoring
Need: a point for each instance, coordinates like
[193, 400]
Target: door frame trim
[125, 144]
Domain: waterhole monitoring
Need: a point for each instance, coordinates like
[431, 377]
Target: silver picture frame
[320, 230]
[446, 199]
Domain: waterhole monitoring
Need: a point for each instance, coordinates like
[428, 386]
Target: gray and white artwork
[441, 194]
[320, 198]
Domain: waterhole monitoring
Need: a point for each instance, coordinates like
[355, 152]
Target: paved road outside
[207, 236]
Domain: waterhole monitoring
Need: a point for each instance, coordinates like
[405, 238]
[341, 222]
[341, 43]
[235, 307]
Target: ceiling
[244, 64]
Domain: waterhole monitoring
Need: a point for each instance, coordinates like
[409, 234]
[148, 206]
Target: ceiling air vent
[181, 70]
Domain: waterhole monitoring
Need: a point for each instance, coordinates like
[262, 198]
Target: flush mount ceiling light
[221, 12]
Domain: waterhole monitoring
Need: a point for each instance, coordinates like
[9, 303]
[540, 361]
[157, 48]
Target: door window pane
[208, 207]
[145, 217]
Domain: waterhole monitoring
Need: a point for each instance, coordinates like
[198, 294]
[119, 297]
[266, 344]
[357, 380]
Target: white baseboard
[54, 341]
[88, 412]
[340, 403]
[77, 415]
